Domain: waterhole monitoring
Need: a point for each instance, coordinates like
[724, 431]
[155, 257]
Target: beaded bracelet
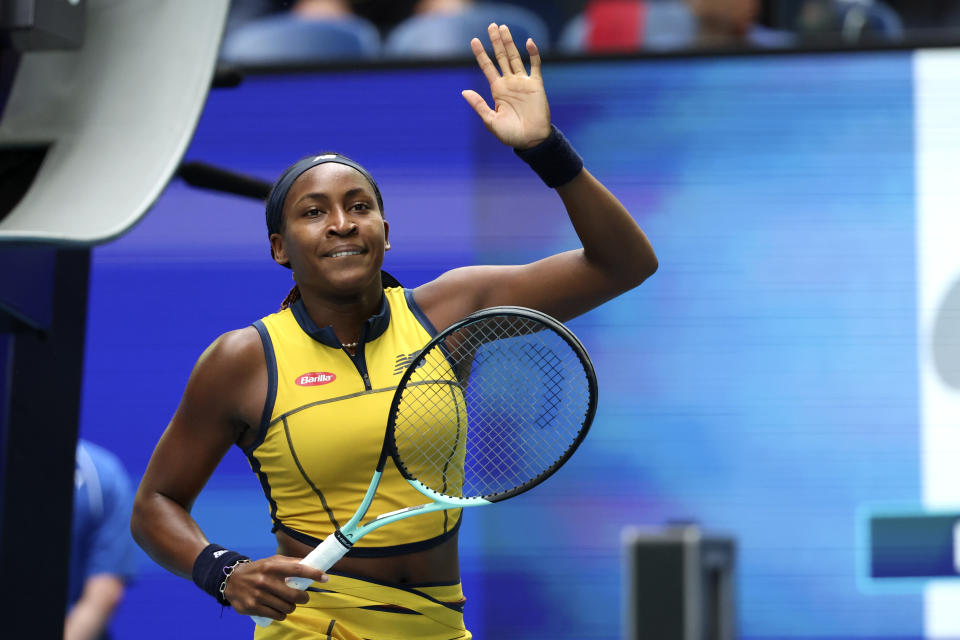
[554, 159]
[212, 568]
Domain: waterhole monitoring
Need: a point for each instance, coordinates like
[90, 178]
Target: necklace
[349, 345]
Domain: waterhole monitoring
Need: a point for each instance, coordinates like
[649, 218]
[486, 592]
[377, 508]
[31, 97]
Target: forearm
[614, 246]
[612, 240]
[167, 532]
[86, 621]
[89, 616]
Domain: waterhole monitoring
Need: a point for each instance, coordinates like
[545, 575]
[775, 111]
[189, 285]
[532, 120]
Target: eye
[311, 212]
[360, 206]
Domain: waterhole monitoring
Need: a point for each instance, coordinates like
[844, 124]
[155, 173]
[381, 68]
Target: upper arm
[218, 405]
[615, 257]
[564, 286]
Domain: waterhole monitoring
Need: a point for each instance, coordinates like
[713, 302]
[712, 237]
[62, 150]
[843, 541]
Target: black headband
[278, 194]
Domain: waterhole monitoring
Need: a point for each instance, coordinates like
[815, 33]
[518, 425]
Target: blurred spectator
[848, 21]
[951, 18]
[726, 23]
[243, 11]
[311, 31]
[629, 25]
[443, 28]
[386, 14]
[101, 553]
[927, 18]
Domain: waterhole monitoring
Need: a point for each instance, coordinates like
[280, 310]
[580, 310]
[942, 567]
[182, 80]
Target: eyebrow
[348, 194]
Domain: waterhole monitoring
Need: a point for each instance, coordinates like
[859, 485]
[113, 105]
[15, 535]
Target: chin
[354, 281]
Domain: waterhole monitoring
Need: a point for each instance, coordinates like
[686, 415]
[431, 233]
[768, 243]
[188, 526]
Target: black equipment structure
[72, 97]
[679, 584]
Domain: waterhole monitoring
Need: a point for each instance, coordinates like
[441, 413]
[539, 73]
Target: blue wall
[762, 383]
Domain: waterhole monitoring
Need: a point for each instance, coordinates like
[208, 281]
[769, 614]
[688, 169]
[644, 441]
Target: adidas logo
[217, 554]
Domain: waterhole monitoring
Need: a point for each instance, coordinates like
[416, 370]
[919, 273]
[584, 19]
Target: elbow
[652, 264]
[643, 268]
[113, 590]
[627, 278]
[640, 264]
[138, 521]
[135, 526]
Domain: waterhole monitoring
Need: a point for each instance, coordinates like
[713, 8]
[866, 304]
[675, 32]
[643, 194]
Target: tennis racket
[489, 408]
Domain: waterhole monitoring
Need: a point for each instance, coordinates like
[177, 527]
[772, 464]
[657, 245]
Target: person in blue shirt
[102, 556]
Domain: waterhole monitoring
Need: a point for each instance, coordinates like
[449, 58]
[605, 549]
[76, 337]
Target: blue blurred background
[762, 384]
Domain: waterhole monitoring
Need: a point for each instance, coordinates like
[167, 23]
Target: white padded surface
[119, 113]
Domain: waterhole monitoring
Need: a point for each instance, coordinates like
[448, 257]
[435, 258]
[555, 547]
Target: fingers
[486, 65]
[478, 103]
[291, 595]
[505, 51]
[513, 55]
[534, 54]
[270, 606]
[260, 588]
[300, 571]
[260, 596]
[499, 50]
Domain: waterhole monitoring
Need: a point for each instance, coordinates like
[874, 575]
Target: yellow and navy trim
[373, 328]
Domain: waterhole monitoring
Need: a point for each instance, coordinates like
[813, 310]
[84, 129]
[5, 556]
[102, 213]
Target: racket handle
[261, 621]
[323, 556]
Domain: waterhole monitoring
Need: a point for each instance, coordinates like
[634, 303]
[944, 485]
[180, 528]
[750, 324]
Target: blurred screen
[763, 384]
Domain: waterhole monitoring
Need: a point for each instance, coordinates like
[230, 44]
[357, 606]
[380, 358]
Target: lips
[345, 251]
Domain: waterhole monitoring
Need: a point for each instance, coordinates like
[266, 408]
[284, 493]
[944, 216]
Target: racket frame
[390, 444]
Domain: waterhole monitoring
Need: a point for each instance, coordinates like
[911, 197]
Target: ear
[277, 249]
[386, 235]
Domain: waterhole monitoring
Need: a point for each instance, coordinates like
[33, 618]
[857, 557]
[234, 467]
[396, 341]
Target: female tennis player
[305, 392]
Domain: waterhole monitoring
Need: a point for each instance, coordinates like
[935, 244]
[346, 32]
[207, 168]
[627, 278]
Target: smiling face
[333, 234]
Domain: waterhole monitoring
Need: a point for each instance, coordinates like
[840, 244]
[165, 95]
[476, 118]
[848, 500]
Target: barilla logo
[314, 378]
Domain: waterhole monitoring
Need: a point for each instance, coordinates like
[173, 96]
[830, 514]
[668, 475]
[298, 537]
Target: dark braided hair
[292, 296]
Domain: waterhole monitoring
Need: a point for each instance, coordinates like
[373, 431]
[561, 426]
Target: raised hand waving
[520, 116]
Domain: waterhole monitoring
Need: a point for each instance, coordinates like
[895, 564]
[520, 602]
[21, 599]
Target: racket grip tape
[323, 556]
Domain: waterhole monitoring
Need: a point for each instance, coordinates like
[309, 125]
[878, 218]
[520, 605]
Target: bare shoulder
[452, 295]
[220, 407]
[227, 386]
[239, 348]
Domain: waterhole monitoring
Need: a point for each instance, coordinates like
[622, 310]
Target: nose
[340, 223]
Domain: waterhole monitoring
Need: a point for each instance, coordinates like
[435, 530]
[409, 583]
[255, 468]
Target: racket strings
[492, 408]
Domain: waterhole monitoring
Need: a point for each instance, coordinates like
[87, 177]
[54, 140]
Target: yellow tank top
[323, 425]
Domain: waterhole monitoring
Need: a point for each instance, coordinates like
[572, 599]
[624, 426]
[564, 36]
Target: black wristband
[554, 159]
[208, 569]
